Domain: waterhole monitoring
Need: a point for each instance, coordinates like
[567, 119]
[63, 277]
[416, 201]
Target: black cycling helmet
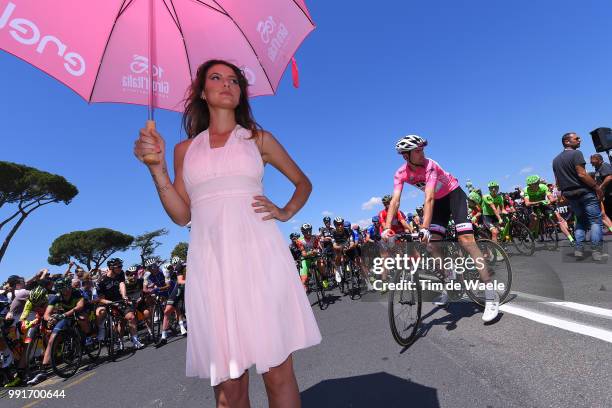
[294, 235]
[386, 199]
[339, 221]
[114, 262]
[326, 219]
[307, 228]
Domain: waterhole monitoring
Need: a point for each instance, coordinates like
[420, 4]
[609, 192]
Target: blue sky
[492, 85]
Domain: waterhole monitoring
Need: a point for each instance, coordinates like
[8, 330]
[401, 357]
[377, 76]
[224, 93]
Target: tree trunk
[8, 238]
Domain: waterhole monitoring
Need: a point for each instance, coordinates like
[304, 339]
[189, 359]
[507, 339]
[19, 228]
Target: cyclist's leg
[563, 226]
[100, 317]
[489, 223]
[304, 272]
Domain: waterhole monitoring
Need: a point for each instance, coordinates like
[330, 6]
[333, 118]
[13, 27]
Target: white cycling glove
[424, 234]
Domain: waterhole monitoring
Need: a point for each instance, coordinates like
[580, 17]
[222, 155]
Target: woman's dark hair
[196, 117]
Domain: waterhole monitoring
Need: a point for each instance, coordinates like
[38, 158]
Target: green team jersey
[539, 194]
[487, 200]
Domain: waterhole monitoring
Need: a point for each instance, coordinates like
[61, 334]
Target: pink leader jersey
[429, 175]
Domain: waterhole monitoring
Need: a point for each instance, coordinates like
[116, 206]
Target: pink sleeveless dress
[243, 297]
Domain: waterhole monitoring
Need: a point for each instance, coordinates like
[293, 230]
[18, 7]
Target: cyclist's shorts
[176, 295]
[352, 253]
[565, 212]
[61, 325]
[305, 266]
[489, 221]
[453, 205]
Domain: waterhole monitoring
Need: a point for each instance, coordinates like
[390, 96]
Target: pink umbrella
[102, 49]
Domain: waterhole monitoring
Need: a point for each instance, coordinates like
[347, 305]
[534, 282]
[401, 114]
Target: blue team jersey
[374, 233]
[356, 236]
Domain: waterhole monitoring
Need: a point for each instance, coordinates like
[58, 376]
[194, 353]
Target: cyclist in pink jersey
[444, 199]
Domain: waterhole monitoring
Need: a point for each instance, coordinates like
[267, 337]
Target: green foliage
[29, 189]
[89, 248]
[146, 244]
[180, 250]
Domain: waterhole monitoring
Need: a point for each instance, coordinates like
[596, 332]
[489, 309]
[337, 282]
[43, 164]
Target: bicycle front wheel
[404, 307]
[522, 239]
[497, 262]
[66, 353]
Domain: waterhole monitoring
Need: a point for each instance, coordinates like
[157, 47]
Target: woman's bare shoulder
[181, 147]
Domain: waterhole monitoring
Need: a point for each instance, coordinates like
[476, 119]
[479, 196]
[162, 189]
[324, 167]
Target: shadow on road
[372, 390]
[455, 312]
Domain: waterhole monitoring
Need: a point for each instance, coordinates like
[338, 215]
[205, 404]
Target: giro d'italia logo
[138, 78]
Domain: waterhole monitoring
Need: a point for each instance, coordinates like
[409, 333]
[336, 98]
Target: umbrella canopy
[101, 48]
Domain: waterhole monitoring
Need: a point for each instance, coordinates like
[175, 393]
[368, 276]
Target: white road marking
[579, 307]
[569, 325]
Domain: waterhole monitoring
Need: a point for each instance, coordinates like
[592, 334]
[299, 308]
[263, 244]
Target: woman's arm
[173, 196]
[273, 152]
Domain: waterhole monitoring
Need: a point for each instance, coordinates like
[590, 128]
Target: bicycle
[114, 320]
[68, 346]
[407, 298]
[316, 280]
[546, 226]
[35, 341]
[407, 302]
[511, 231]
[355, 279]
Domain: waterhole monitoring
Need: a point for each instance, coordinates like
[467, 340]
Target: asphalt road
[551, 347]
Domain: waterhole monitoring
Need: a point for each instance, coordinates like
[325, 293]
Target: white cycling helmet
[151, 262]
[175, 260]
[165, 267]
[410, 142]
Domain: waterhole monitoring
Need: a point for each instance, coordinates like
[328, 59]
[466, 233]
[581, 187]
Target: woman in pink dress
[245, 303]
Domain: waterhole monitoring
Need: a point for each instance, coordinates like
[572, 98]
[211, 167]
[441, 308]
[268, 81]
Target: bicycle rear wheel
[496, 260]
[66, 353]
[404, 307]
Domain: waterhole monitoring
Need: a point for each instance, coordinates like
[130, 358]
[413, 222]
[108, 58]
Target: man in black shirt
[603, 176]
[582, 193]
[111, 288]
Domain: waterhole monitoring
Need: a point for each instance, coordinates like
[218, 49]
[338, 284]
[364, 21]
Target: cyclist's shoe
[325, 284]
[598, 256]
[38, 378]
[137, 344]
[88, 341]
[338, 276]
[183, 331]
[6, 358]
[161, 342]
[491, 309]
[578, 253]
[15, 382]
[441, 300]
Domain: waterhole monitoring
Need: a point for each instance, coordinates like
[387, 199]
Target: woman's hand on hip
[264, 205]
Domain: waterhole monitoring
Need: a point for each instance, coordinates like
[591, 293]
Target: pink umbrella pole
[150, 125]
